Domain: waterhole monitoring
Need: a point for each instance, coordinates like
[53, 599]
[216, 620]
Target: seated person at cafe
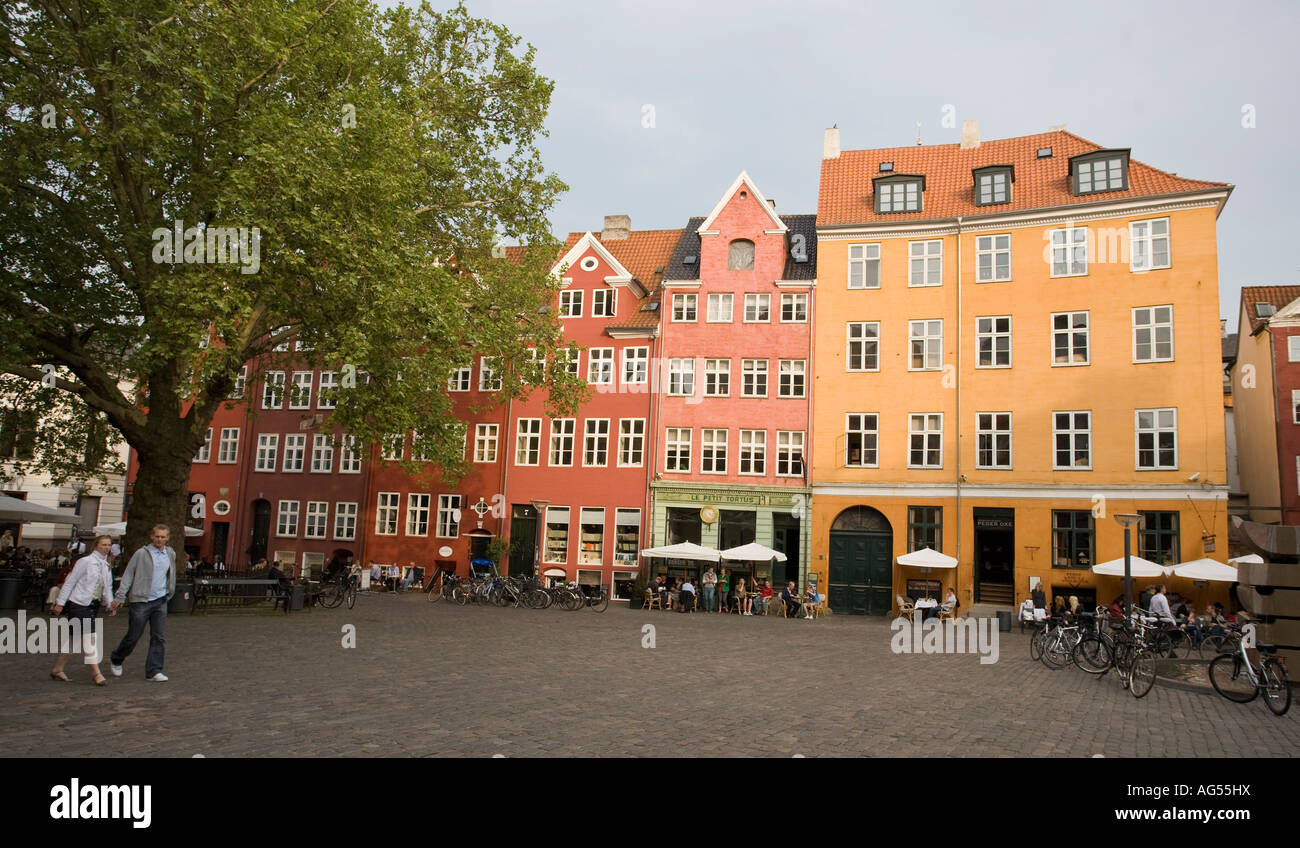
[810, 605]
[376, 573]
[950, 601]
[686, 600]
[660, 588]
[764, 596]
[743, 602]
[791, 599]
[282, 593]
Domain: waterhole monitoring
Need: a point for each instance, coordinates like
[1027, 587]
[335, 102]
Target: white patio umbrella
[683, 550]
[17, 509]
[753, 552]
[1252, 559]
[928, 558]
[1206, 569]
[119, 529]
[1139, 568]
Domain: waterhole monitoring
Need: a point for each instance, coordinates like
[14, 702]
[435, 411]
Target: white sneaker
[115, 669]
[159, 677]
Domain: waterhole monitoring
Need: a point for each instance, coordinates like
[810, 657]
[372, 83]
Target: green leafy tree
[338, 175]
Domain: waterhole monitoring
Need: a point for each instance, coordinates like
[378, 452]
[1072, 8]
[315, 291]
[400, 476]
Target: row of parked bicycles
[1128, 649]
[517, 592]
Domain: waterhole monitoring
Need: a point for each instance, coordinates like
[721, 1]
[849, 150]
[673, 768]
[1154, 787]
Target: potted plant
[638, 591]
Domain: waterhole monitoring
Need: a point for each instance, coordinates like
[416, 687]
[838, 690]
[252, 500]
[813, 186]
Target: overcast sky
[751, 85]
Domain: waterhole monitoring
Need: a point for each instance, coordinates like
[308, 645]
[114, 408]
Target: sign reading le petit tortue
[720, 497]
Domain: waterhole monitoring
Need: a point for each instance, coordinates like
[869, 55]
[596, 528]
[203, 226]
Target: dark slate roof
[1230, 347]
[802, 225]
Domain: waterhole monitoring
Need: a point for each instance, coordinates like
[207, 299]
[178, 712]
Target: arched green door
[860, 567]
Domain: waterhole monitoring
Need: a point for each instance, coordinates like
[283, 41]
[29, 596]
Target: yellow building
[1014, 341]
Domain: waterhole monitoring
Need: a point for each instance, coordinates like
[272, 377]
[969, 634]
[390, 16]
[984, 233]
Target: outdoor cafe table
[925, 604]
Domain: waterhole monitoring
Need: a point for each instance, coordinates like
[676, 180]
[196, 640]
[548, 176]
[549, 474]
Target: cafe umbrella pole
[1128, 521]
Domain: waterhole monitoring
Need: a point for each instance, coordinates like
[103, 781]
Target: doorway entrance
[995, 545]
[261, 529]
[523, 539]
[785, 538]
[860, 572]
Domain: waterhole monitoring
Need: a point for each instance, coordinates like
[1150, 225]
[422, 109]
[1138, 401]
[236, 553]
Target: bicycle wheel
[1161, 644]
[1092, 654]
[599, 604]
[331, 595]
[1277, 689]
[1038, 644]
[1056, 653]
[350, 596]
[575, 600]
[1229, 677]
[461, 595]
[1143, 675]
[435, 590]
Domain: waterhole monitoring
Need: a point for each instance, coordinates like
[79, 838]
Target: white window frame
[752, 453]
[205, 450]
[798, 302]
[448, 524]
[1071, 331]
[295, 453]
[717, 377]
[674, 446]
[1295, 406]
[792, 368]
[461, 379]
[1068, 246]
[393, 447]
[931, 344]
[926, 433]
[631, 438]
[993, 334]
[717, 314]
[596, 429]
[345, 521]
[1154, 431]
[751, 367]
[788, 444]
[417, 514]
[562, 515]
[300, 392]
[273, 390]
[681, 376]
[329, 381]
[349, 457]
[713, 450]
[316, 522]
[756, 304]
[600, 366]
[929, 253]
[563, 434]
[485, 442]
[865, 341]
[685, 304]
[988, 246]
[1072, 431]
[604, 303]
[571, 303]
[387, 506]
[241, 381]
[1153, 327]
[528, 441]
[488, 379]
[998, 185]
[993, 431]
[863, 431]
[228, 446]
[866, 256]
[636, 365]
[268, 451]
[1293, 348]
[1147, 241]
[286, 520]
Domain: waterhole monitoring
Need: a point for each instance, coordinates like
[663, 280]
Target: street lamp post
[540, 506]
[1128, 521]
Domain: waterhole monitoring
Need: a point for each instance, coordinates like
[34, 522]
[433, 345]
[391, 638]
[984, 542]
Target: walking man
[149, 581]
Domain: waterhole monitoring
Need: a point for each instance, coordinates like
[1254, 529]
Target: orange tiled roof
[1279, 296]
[644, 253]
[845, 196]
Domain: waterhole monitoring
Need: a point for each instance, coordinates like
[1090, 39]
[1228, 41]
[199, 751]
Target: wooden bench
[238, 593]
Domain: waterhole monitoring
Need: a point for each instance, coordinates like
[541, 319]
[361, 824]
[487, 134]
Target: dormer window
[993, 184]
[1101, 170]
[1265, 310]
[900, 193]
[740, 255]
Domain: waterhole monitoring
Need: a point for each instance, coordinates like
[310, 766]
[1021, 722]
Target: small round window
[589, 263]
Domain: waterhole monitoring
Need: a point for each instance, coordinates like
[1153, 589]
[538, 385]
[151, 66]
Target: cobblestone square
[440, 680]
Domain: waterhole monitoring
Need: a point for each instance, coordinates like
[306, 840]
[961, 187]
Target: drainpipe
[652, 422]
[961, 346]
[506, 441]
[805, 527]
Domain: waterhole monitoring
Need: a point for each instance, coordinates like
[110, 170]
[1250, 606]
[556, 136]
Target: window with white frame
[864, 266]
[677, 445]
[993, 440]
[300, 391]
[898, 196]
[926, 341]
[720, 308]
[419, 447]
[488, 379]
[562, 432]
[205, 449]
[528, 442]
[295, 450]
[758, 308]
[286, 523]
[460, 380]
[393, 447]
[1293, 349]
[753, 378]
[268, 446]
[1069, 252]
[631, 442]
[386, 513]
[571, 304]
[636, 364]
[684, 305]
[863, 346]
[681, 376]
[228, 447]
[318, 518]
[349, 458]
[1153, 334]
[1072, 434]
[992, 259]
[1157, 439]
[273, 390]
[993, 341]
[329, 383]
[925, 263]
[791, 374]
[1148, 244]
[569, 359]
[485, 442]
[240, 380]
[713, 451]
[1106, 171]
[717, 377]
[1295, 406]
[557, 534]
[627, 539]
[789, 453]
[595, 442]
[417, 514]
[448, 516]
[600, 366]
[925, 434]
[861, 439]
[345, 521]
[1070, 345]
[591, 542]
[603, 303]
[753, 452]
[537, 364]
[794, 308]
[323, 454]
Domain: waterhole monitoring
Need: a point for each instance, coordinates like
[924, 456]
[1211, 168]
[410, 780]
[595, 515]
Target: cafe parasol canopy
[119, 529]
[1139, 567]
[1248, 559]
[17, 509]
[928, 558]
[753, 552]
[683, 550]
[1206, 569]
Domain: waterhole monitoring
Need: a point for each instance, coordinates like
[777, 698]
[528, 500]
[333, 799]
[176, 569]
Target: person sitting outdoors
[790, 597]
[1160, 606]
[950, 601]
[410, 577]
[1193, 628]
[686, 596]
[743, 601]
[810, 605]
[764, 598]
[285, 585]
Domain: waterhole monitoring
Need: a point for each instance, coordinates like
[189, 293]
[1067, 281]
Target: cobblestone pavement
[439, 680]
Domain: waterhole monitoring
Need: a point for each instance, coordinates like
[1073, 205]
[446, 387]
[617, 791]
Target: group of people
[716, 590]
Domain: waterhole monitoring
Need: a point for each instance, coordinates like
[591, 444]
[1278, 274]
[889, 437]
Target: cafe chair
[947, 614]
[652, 600]
[905, 607]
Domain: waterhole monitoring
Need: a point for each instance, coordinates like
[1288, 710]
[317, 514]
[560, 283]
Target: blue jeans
[708, 597]
[154, 613]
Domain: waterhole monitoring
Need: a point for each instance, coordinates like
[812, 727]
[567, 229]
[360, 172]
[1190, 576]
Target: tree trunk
[161, 491]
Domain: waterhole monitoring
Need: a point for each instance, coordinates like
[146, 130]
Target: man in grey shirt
[149, 581]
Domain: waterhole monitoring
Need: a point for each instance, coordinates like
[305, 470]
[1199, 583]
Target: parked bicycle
[1242, 675]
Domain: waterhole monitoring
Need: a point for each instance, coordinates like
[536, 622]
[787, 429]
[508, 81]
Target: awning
[1138, 567]
[120, 530]
[1248, 559]
[1206, 569]
[928, 558]
[555, 572]
[17, 509]
[684, 550]
[753, 552]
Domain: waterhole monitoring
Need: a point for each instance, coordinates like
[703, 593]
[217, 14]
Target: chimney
[1223, 328]
[831, 143]
[1056, 128]
[617, 228]
[772, 202]
[970, 134]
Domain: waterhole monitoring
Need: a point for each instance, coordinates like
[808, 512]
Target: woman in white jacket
[88, 587]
